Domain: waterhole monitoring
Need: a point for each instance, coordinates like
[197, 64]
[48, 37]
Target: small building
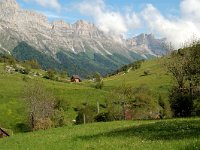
[3, 133]
[75, 78]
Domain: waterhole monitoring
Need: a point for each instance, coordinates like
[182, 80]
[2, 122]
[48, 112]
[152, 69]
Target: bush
[22, 127]
[103, 117]
[146, 72]
[181, 102]
[50, 74]
[40, 106]
[99, 85]
[87, 111]
[165, 111]
[60, 118]
[43, 123]
[99, 81]
[33, 64]
[60, 115]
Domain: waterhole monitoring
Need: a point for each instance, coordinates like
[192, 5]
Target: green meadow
[12, 109]
[180, 134]
[173, 134]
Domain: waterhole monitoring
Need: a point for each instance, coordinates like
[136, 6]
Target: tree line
[184, 65]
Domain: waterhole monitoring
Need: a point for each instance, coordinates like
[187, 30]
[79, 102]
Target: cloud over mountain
[178, 30]
[108, 20]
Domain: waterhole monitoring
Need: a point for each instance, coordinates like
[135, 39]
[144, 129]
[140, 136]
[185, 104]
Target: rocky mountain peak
[9, 4]
[17, 25]
[60, 24]
[83, 24]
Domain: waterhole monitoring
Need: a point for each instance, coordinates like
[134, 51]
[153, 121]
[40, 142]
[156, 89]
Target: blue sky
[177, 20]
[71, 14]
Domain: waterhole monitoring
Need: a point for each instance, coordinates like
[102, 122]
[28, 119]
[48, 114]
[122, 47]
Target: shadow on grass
[161, 130]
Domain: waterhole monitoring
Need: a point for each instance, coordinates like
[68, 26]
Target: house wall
[76, 80]
[2, 134]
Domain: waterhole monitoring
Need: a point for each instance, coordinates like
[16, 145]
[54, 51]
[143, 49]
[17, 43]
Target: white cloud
[54, 4]
[177, 30]
[108, 20]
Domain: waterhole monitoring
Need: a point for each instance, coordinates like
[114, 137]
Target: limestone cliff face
[18, 25]
[147, 44]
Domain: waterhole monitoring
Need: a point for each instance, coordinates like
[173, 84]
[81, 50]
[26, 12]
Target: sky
[176, 20]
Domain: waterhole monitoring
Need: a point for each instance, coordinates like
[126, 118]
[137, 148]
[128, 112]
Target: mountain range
[80, 48]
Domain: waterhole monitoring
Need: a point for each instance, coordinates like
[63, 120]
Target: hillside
[173, 134]
[157, 79]
[12, 86]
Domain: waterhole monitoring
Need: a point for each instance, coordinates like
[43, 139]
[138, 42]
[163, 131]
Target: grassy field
[173, 134]
[158, 80]
[180, 134]
[12, 109]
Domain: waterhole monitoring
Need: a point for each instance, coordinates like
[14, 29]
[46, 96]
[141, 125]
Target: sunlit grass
[172, 134]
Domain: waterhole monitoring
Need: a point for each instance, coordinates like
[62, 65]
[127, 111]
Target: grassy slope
[158, 80]
[11, 89]
[152, 135]
[165, 134]
[11, 96]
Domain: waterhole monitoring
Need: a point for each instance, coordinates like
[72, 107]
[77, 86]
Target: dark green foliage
[98, 80]
[62, 104]
[165, 111]
[104, 117]
[126, 102]
[8, 59]
[22, 127]
[60, 118]
[136, 56]
[184, 65]
[33, 64]
[99, 85]
[63, 74]
[82, 63]
[24, 52]
[87, 112]
[181, 102]
[144, 104]
[50, 74]
[133, 66]
[119, 59]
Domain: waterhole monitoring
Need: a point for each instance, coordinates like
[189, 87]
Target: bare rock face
[147, 44]
[17, 25]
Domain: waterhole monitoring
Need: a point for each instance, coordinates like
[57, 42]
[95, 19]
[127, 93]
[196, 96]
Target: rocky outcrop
[147, 44]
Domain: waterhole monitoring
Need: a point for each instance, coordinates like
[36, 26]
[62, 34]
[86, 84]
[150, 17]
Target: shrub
[60, 118]
[165, 111]
[33, 64]
[146, 72]
[87, 112]
[104, 117]
[181, 102]
[99, 85]
[99, 81]
[40, 105]
[50, 74]
[43, 123]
